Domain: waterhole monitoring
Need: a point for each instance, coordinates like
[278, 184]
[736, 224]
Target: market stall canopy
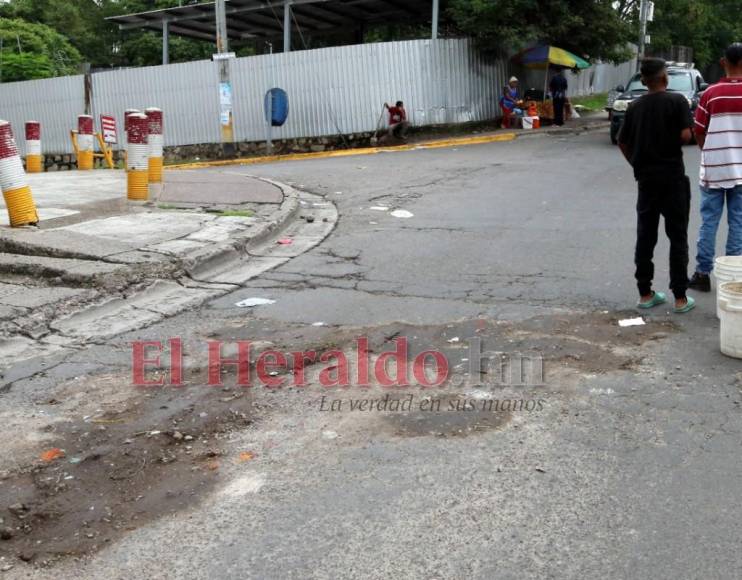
[543, 56]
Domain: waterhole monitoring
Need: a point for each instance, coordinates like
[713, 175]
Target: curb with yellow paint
[463, 141]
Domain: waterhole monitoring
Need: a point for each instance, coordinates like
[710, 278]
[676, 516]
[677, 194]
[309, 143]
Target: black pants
[668, 197]
[559, 111]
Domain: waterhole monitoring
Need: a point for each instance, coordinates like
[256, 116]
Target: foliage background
[42, 38]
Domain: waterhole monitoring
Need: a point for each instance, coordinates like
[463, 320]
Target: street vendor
[558, 87]
[509, 101]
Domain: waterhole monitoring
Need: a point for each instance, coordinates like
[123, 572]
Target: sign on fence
[108, 128]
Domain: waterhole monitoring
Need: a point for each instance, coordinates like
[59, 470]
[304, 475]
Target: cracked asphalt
[627, 468]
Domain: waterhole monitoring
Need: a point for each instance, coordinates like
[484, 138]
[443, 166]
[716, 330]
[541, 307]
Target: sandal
[657, 299]
[687, 308]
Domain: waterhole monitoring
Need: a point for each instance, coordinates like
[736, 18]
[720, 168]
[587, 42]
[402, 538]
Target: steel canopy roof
[264, 19]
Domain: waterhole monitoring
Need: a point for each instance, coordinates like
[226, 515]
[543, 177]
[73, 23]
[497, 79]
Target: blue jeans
[712, 206]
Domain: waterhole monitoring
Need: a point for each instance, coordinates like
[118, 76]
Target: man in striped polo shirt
[719, 134]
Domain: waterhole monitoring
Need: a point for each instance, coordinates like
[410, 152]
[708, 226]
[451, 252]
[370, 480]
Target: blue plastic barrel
[276, 107]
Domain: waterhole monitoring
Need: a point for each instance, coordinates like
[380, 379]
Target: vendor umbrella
[542, 56]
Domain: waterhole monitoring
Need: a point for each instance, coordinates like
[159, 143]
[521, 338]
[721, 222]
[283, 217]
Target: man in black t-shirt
[655, 128]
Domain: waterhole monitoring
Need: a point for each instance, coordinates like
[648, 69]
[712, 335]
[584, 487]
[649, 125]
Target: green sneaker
[657, 299]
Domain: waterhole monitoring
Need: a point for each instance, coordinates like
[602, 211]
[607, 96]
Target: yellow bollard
[34, 158]
[85, 142]
[17, 193]
[137, 164]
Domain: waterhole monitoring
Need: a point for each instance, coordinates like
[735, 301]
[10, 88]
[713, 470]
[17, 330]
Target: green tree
[706, 26]
[33, 51]
[101, 43]
[589, 28]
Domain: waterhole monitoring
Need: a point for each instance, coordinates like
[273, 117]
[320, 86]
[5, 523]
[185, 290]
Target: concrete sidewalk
[98, 265]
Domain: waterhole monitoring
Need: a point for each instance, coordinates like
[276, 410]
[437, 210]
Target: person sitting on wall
[509, 102]
[398, 124]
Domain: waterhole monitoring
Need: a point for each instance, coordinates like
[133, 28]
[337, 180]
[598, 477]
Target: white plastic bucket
[528, 122]
[726, 269]
[730, 301]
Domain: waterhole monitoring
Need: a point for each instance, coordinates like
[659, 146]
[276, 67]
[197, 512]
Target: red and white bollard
[156, 142]
[17, 193]
[34, 159]
[85, 143]
[137, 157]
[128, 112]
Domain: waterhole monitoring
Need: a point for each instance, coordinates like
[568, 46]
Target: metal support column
[222, 41]
[436, 15]
[287, 26]
[225, 83]
[165, 42]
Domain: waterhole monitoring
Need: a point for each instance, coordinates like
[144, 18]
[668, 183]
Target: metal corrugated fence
[55, 103]
[331, 90]
[186, 92]
[343, 89]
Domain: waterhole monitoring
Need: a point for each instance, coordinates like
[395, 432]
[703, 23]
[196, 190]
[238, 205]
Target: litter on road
[402, 213]
[250, 302]
[631, 322]
[52, 455]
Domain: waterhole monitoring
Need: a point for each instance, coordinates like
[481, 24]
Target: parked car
[683, 79]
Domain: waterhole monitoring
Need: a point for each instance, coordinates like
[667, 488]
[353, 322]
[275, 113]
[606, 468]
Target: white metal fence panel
[187, 93]
[55, 103]
[342, 89]
[599, 78]
[331, 90]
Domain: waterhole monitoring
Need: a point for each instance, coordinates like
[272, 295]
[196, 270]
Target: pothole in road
[130, 459]
[158, 452]
[447, 416]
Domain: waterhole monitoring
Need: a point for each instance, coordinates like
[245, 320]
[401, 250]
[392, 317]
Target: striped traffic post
[137, 164]
[154, 117]
[34, 159]
[85, 145]
[17, 193]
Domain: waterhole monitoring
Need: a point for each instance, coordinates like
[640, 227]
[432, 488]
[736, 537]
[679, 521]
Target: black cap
[733, 54]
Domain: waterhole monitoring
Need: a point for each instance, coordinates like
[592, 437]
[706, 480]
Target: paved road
[628, 468]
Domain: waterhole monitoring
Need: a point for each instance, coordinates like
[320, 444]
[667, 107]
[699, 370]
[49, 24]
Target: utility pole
[642, 30]
[646, 14]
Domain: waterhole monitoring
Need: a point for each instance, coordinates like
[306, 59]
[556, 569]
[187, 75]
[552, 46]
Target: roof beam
[198, 12]
[263, 18]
